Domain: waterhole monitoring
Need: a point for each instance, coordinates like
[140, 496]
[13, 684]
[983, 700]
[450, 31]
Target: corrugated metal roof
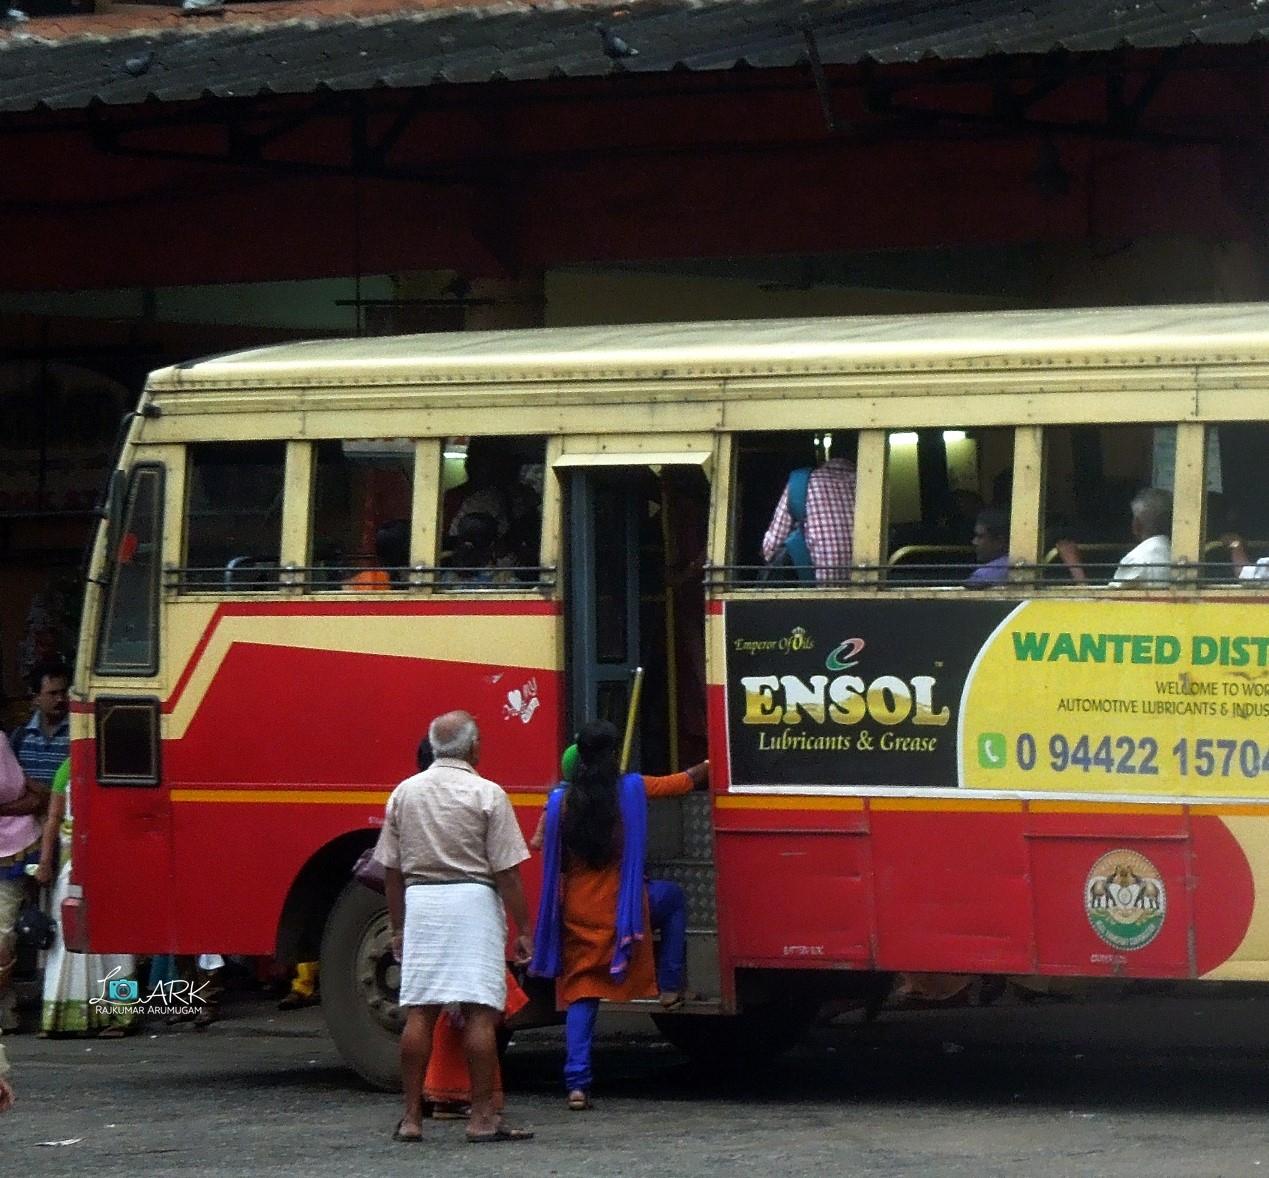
[294, 49]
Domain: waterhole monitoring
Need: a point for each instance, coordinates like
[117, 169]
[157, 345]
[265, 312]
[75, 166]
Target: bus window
[945, 487]
[1236, 532]
[129, 642]
[761, 518]
[361, 514]
[233, 526]
[1108, 503]
[491, 510]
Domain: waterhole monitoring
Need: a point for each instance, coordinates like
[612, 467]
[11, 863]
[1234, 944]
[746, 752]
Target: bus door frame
[706, 975]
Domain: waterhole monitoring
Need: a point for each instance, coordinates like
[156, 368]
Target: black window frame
[101, 665]
[153, 705]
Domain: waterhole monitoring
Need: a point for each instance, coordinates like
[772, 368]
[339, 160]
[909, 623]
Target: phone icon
[991, 750]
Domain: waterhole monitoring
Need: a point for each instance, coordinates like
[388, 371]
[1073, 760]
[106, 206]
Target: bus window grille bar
[1045, 578]
[256, 578]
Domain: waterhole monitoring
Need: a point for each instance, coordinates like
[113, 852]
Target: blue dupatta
[548, 936]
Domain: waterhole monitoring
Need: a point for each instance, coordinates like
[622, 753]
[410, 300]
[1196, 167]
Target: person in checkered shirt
[830, 520]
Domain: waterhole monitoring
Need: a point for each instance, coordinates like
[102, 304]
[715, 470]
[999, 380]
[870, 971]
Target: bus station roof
[1124, 335]
[131, 53]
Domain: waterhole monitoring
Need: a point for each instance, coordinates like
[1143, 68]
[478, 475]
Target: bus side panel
[798, 887]
[275, 754]
[239, 861]
[952, 889]
[127, 859]
[305, 716]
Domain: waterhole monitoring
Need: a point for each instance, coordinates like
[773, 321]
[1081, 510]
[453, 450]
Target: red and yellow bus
[1037, 776]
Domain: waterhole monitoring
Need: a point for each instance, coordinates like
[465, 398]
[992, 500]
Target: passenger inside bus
[991, 548]
[495, 487]
[821, 508]
[392, 553]
[1244, 567]
[936, 481]
[1150, 561]
[478, 557]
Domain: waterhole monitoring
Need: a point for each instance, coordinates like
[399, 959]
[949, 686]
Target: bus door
[636, 538]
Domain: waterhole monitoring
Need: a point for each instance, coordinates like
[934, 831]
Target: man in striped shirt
[830, 520]
[43, 742]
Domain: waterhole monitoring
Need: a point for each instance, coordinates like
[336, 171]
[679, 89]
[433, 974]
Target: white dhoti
[454, 946]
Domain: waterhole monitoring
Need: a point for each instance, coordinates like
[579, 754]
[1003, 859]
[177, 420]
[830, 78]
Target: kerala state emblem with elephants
[1125, 899]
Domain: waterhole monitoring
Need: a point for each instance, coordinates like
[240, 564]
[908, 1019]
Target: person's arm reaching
[779, 528]
[674, 784]
[1237, 553]
[1069, 551]
[511, 889]
[394, 891]
[538, 841]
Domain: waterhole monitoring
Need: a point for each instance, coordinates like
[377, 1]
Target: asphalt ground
[1145, 1085]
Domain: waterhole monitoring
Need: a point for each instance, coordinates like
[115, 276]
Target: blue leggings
[667, 907]
[579, 1031]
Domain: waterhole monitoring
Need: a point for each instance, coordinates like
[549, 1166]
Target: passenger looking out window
[1150, 562]
[991, 548]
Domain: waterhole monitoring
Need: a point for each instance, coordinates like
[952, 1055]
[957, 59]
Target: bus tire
[360, 980]
[754, 1036]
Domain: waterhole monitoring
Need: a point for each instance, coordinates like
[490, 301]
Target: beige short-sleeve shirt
[449, 824]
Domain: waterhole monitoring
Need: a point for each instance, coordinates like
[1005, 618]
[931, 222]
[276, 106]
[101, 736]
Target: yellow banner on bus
[1120, 697]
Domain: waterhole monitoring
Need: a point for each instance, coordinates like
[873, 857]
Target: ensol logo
[1125, 899]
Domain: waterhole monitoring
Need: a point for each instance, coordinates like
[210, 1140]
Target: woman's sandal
[406, 1138]
[579, 1101]
[673, 1000]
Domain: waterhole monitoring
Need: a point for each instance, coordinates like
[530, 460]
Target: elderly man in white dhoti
[452, 848]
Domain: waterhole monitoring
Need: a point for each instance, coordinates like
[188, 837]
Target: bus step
[653, 1006]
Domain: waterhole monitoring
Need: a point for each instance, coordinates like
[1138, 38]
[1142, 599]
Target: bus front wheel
[360, 981]
[757, 1034]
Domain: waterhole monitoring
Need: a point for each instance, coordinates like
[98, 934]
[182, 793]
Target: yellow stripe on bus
[1105, 808]
[274, 797]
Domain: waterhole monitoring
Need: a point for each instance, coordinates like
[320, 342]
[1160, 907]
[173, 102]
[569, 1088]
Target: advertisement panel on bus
[1117, 697]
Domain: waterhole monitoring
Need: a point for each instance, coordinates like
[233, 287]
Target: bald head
[455, 735]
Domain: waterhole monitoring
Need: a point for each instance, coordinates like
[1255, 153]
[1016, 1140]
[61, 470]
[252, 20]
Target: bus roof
[1087, 336]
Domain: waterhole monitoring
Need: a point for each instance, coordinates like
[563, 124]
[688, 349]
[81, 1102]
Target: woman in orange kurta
[448, 1082]
[590, 884]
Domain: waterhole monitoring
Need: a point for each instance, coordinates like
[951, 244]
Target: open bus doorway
[635, 597]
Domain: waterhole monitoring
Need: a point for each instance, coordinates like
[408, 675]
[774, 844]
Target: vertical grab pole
[632, 714]
[671, 632]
